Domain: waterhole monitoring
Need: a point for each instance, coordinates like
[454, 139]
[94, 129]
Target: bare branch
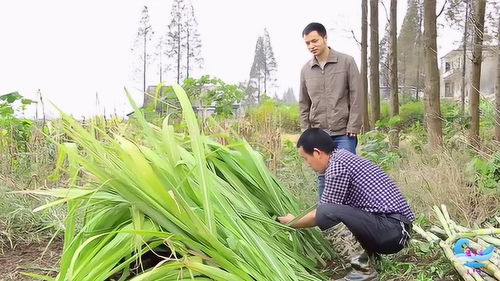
[442, 9]
[354, 37]
[385, 9]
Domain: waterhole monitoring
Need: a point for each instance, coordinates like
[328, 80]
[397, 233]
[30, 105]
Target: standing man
[360, 195]
[331, 95]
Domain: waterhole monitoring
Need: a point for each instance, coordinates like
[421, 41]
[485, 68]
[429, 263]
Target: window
[446, 66]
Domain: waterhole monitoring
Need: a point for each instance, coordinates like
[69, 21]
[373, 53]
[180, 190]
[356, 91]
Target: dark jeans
[342, 141]
[377, 233]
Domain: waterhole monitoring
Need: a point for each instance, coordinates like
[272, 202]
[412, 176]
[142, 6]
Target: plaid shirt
[357, 182]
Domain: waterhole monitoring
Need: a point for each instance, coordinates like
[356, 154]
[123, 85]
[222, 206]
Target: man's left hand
[286, 219]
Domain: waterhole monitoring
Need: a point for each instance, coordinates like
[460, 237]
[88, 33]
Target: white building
[452, 69]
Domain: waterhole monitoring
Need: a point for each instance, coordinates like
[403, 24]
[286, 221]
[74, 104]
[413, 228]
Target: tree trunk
[476, 72]
[265, 73]
[364, 62]
[374, 62]
[497, 94]
[161, 66]
[187, 52]
[431, 97]
[258, 92]
[178, 49]
[464, 56]
[419, 51]
[144, 62]
[394, 135]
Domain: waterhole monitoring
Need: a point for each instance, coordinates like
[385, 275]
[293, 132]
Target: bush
[485, 173]
[271, 112]
[411, 113]
[374, 146]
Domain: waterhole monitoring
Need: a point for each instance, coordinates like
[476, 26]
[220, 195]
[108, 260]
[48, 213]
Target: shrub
[411, 113]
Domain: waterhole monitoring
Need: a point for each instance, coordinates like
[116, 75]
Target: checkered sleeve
[336, 184]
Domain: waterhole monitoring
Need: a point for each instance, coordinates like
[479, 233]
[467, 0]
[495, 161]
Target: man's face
[315, 43]
[318, 160]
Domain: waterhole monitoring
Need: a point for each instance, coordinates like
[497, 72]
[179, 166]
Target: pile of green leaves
[208, 210]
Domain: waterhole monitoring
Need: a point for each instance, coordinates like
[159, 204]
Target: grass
[426, 178]
[434, 178]
[18, 223]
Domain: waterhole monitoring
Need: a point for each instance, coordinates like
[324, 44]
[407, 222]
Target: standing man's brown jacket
[331, 98]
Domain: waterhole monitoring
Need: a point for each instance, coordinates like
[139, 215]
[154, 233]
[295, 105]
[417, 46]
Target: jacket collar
[332, 57]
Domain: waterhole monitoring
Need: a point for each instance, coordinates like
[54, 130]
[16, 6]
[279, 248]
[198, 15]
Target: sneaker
[358, 275]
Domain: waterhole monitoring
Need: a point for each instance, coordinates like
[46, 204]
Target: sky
[77, 53]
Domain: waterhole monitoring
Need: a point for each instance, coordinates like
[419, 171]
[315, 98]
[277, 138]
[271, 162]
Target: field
[61, 179]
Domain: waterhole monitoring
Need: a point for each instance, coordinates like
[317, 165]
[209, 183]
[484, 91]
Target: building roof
[460, 50]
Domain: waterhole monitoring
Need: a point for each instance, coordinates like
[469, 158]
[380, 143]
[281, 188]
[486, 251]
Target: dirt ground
[29, 258]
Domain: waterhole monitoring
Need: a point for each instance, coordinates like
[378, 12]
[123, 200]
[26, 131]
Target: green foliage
[207, 91]
[416, 136]
[296, 176]
[485, 172]
[374, 146]
[411, 113]
[13, 130]
[271, 111]
[385, 111]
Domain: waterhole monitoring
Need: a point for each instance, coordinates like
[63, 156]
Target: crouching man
[360, 195]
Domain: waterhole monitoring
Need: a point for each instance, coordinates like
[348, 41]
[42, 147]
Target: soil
[29, 258]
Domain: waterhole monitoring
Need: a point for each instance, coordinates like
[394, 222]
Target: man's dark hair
[314, 26]
[316, 138]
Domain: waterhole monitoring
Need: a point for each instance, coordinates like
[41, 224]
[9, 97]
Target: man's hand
[352, 135]
[286, 219]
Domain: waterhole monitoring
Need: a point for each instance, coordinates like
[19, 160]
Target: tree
[183, 42]
[270, 65]
[289, 96]
[394, 136]
[141, 44]
[193, 42]
[159, 53]
[374, 62]
[256, 75]
[264, 68]
[479, 11]
[208, 91]
[410, 48]
[364, 62]
[384, 49]
[431, 97]
[458, 15]
[497, 90]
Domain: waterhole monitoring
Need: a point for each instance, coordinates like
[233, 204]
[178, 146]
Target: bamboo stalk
[442, 220]
[427, 235]
[456, 263]
[492, 270]
[451, 224]
[492, 240]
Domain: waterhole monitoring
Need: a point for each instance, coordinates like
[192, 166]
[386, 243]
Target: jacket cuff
[353, 130]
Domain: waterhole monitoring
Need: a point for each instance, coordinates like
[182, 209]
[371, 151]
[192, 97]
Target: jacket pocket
[315, 90]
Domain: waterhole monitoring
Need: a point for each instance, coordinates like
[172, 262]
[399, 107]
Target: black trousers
[377, 233]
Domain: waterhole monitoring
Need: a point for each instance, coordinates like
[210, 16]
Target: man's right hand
[286, 219]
